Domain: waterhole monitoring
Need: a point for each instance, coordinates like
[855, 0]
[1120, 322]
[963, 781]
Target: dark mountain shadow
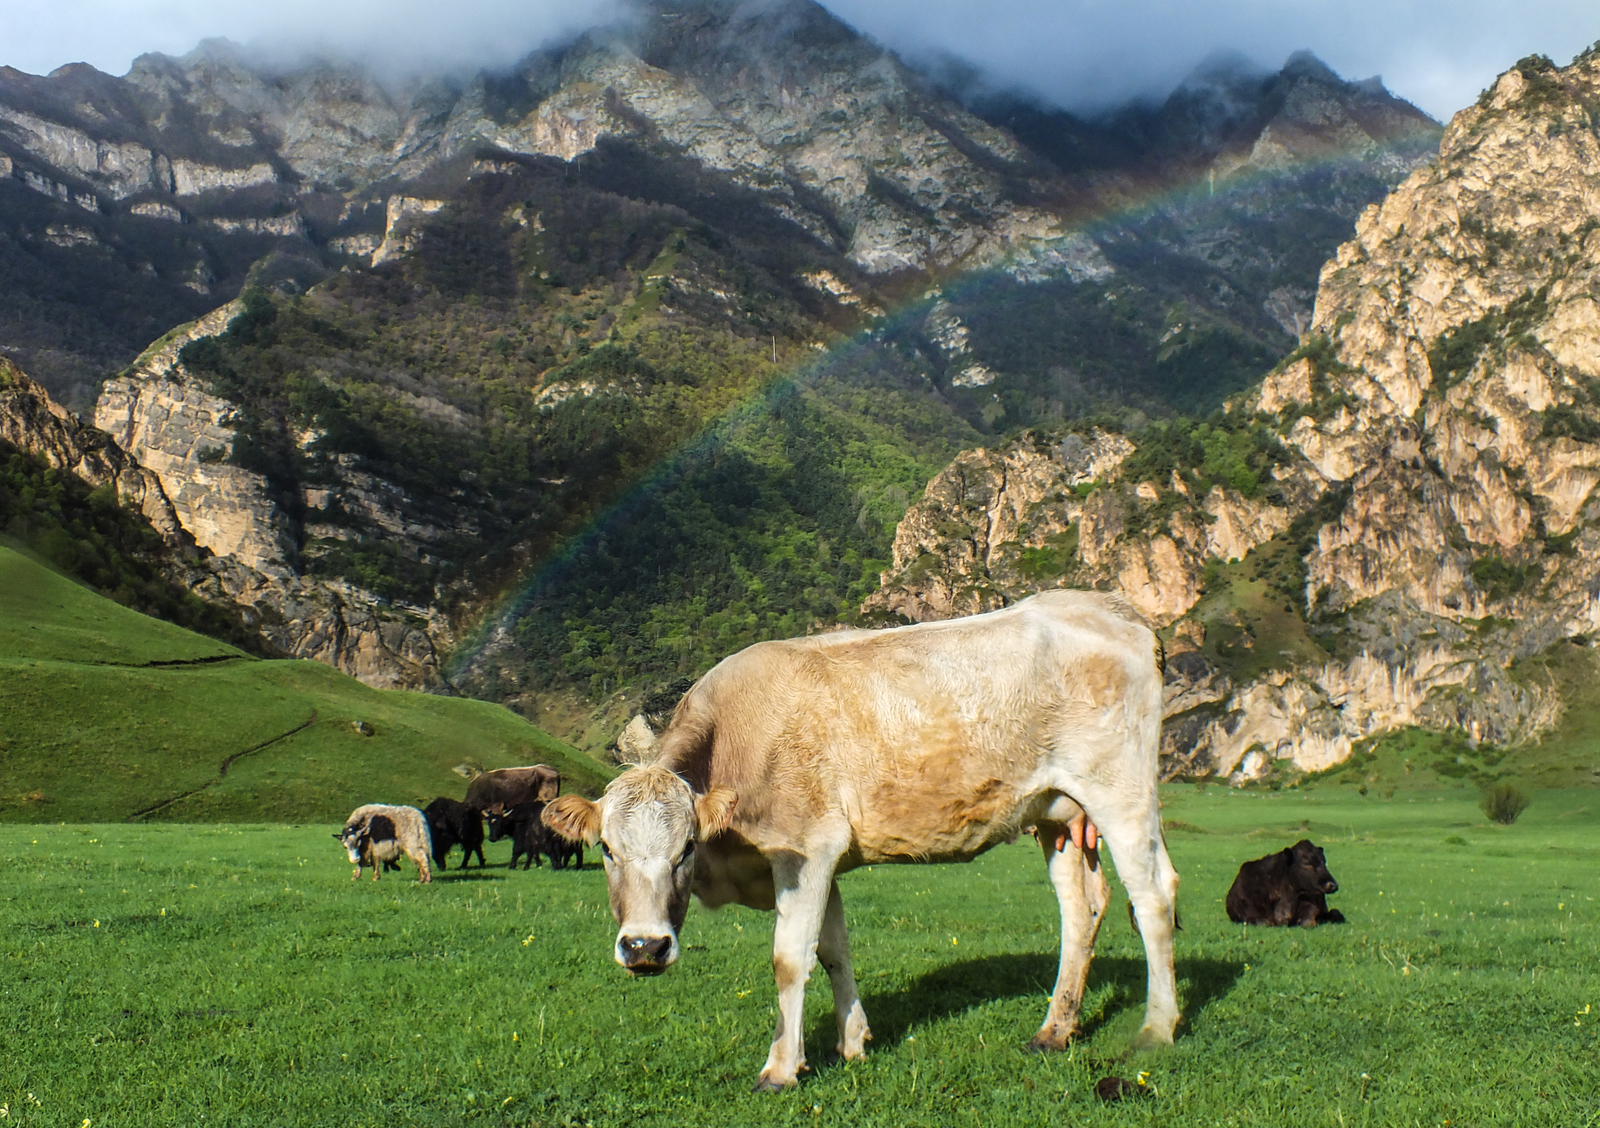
[959, 987]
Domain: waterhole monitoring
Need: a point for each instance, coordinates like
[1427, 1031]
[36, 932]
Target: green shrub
[1503, 803]
[1498, 578]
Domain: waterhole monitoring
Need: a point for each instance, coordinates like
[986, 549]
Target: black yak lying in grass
[1289, 887]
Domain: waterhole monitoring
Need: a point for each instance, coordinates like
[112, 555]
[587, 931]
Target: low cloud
[1084, 54]
[391, 35]
[1088, 54]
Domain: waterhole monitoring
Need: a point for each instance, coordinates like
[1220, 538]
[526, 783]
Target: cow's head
[1308, 868]
[647, 824]
[498, 823]
[353, 838]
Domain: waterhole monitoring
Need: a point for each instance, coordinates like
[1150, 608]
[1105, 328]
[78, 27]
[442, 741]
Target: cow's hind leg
[802, 886]
[833, 948]
[1081, 887]
[1146, 871]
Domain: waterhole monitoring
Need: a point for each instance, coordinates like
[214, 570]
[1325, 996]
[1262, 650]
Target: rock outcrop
[993, 526]
[226, 531]
[33, 422]
[178, 437]
[181, 433]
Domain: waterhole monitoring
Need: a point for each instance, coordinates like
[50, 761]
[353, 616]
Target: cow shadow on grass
[476, 873]
[957, 988]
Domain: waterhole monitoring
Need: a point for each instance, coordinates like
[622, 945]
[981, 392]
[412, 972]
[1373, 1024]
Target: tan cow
[791, 762]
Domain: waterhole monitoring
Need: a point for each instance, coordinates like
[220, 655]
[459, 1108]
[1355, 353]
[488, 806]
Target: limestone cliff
[1423, 469]
[179, 437]
[33, 422]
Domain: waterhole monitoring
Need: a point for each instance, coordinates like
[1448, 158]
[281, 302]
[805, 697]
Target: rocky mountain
[133, 204]
[547, 383]
[1396, 527]
[188, 177]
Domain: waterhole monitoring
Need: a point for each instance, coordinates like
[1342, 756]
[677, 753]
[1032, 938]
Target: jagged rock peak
[1304, 64]
[1225, 69]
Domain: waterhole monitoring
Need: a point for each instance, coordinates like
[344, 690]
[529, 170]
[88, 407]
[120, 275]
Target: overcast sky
[1082, 53]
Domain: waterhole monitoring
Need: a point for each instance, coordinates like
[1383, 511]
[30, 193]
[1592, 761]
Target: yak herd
[509, 800]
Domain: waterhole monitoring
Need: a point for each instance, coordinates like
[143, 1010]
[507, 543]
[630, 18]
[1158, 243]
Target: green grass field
[233, 975]
[107, 715]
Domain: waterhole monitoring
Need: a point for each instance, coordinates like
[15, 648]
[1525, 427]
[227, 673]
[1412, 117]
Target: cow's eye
[688, 852]
[606, 850]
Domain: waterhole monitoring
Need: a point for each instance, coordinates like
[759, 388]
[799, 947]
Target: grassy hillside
[233, 975]
[106, 715]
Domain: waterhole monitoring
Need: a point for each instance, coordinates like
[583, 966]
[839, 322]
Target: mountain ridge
[431, 388]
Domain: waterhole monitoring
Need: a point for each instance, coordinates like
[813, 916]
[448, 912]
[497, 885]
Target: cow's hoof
[1042, 1043]
[768, 1085]
[1149, 1038]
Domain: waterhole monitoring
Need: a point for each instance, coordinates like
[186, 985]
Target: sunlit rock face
[182, 436]
[1442, 433]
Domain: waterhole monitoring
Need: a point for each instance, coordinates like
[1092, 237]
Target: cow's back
[928, 739]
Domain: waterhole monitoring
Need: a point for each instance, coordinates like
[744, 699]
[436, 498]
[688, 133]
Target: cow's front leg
[802, 886]
[1083, 891]
[833, 947]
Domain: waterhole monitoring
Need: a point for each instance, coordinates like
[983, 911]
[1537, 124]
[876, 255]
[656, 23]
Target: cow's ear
[574, 818]
[713, 811]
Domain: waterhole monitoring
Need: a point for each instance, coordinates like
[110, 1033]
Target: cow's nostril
[1331, 887]
[645, 951]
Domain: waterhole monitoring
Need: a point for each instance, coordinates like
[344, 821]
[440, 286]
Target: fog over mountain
[1083, 54]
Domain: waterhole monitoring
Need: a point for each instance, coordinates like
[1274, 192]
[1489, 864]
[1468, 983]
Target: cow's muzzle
[646, 955]
[1330, 886]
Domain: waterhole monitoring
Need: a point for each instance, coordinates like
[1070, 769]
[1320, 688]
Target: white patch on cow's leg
[802, 885]
[833, 947]
[1146, 871]
[1081, 888]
